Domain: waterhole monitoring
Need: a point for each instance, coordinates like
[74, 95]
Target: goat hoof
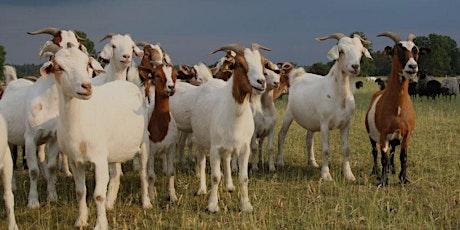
[404, 181]
[33, 204]
[200, 192]
[247, 207]
[213, 208]
[173, 198]
[313, 164]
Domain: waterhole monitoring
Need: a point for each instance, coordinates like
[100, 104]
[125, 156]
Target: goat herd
[139, 112]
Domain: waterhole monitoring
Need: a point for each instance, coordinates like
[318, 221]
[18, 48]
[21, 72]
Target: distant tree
[444, 57]
[87, 43]
[25, 70]
[381, 63]
[319, 68]
[2, 61]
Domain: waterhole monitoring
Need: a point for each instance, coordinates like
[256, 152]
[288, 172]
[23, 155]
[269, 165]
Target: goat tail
[296, 73]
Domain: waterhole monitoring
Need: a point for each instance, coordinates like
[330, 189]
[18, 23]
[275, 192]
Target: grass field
[294, 197]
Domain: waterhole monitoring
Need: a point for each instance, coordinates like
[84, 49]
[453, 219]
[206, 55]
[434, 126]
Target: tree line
[443, 60]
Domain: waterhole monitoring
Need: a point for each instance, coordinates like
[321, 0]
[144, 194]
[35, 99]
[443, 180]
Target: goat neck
[342, 80]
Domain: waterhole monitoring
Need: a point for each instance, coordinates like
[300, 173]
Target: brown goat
[390, 119]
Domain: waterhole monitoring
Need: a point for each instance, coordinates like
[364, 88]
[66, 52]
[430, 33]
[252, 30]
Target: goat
[381, 83]
[223, 69]
[283, 88]
[31, 111]
[161, 126]
[320, 103]
[222, 120]
[119, 52]
[359, 84]
[60, 38]
[265, 119]
[197, 75]
[371, 79]
[87, 134]
[449, 87]
[390, 119]
[6, 169]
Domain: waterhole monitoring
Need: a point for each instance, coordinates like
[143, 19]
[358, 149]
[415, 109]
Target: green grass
[294, 197]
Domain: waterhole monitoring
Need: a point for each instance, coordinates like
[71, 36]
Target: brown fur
[159, 121]
[284, 80]
[394, 113]
[241, 86]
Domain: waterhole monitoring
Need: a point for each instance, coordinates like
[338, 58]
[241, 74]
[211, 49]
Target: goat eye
[113, 46]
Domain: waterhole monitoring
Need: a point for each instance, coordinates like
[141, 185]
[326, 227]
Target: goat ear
[424, 51]
[166, 58]
[98, 69]
[333, 53]
[144, 72]
[139, 53]
[388, 50]
[46, 69]
[107, 52]
[367, 54]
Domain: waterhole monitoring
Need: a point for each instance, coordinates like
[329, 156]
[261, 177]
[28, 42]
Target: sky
[189, 29]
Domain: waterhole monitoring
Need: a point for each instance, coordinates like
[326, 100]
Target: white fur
[9, 72]
[6, 168]
[30, 110]
[265, 121]
[87, 134]
[226, 127]
[320, 103]
[119, 52]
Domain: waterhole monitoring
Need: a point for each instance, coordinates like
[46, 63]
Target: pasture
[294, 197]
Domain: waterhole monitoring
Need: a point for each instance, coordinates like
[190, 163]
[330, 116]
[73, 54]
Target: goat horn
[237, 48]
[337, 36]
[50, 30]
[395, 37]
[78, 37]
[411, 37]
[52, 48]
[143, 43]
[109, 35]
[366, 42]
[256, 46]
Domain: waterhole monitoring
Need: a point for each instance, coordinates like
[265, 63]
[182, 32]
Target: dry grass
[294, 197]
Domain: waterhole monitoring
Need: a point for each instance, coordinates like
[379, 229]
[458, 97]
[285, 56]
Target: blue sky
[188, 30]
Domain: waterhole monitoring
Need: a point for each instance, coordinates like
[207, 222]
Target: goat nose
[261, 81]
[127, 56]
[171, 87]
[413, 66]
[87, 86]
[355, 66]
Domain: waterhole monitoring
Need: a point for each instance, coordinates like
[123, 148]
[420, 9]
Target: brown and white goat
[390, 119]
[162, 126]
[285, 68]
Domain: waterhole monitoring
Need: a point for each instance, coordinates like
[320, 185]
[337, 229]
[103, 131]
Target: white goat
[87, 134]
[265, 119]
[30, 110]
[198, 74]
[119, 53]
[6, 168]
[222, 120]
[320, 103]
